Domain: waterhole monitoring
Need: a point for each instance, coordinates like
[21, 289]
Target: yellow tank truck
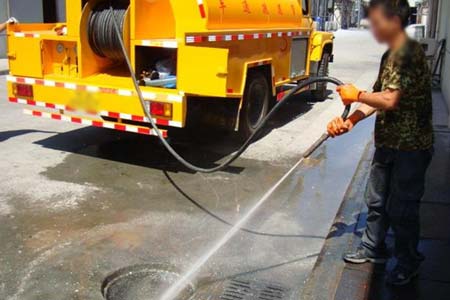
[243, 52]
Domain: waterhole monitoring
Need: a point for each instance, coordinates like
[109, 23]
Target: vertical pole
[433, 15]
[8, 11]
[358, 24]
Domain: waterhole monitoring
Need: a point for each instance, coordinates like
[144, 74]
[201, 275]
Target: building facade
[443, 32]
[30, 11]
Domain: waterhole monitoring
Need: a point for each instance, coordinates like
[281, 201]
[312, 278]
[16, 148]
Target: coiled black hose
[231, 159]
[103, 38]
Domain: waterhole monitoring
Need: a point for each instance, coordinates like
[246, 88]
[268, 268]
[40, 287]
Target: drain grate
[252, 290]
[241, 289]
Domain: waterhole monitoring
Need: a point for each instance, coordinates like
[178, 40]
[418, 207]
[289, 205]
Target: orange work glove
[349, 93]
[338, 126]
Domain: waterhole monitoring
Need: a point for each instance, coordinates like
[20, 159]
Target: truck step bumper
[93, 122]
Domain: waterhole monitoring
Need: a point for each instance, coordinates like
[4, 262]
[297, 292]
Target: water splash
[181, 283]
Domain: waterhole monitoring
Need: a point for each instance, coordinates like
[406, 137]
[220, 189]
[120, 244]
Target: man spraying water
[402, 101]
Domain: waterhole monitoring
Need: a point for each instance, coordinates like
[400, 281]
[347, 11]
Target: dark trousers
[394, 191]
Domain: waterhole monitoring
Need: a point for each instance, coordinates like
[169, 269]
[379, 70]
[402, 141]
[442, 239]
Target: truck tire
[320, 93]
[257, 96]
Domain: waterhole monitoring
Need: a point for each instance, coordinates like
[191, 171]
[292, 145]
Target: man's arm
[11, 20]
[385, 100]
[339, 126]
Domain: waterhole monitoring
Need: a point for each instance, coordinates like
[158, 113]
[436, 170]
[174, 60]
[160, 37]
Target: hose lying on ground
[247, 143]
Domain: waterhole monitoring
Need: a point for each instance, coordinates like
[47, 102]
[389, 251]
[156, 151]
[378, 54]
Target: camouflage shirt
[409, 126]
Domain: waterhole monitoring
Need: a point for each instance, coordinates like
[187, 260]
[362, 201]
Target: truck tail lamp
[161, 109]
[23, 90]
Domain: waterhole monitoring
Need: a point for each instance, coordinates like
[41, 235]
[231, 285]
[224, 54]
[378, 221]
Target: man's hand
[338, 126]
[12, 20]
[349, 93]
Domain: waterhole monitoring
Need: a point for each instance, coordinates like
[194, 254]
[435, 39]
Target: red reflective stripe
[202, 10]
[31, 102]
[97, 123]
[229, 90]
[20, 80]
[11, 99]
[59, 84]
[56, 117]
[37, 113]
[142, 130]
[76, 120]
[108, 90]
[39, 82]
[162, 122]
[137, 118]
[91, 112]
[114, 115]
[120, 127]
[280, 96]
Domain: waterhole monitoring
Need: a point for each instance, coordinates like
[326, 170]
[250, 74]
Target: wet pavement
[78, 204]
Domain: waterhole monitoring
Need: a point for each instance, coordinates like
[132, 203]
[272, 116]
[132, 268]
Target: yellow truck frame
[242, 51]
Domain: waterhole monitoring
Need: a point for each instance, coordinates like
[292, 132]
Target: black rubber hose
[244, 147]
[103, 39]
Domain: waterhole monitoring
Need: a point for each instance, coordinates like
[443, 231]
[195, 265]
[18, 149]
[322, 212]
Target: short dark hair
[394, 8]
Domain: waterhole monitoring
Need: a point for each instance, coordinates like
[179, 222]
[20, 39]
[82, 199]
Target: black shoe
[401, 275]
[361, 256]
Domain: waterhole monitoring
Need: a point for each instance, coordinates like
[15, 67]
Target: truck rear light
[161, 109]
[23, 90]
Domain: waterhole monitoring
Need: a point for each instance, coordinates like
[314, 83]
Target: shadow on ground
[202, 145]
[6, 135]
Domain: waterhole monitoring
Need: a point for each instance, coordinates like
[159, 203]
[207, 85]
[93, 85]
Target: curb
[323, 282]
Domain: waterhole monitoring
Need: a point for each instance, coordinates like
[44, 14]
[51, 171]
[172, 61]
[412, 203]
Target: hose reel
[103, 38]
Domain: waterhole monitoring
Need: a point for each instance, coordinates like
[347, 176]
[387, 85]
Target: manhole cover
[142, 282]
[240, 289]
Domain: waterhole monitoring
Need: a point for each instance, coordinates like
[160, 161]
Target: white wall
[444, 33]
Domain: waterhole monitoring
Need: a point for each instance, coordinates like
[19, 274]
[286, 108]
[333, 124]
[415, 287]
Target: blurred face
[383, 26]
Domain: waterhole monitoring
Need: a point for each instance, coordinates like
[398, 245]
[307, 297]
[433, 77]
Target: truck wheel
[257, 97]
[320, 93]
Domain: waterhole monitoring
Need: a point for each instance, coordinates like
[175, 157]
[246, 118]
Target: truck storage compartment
[157, 66]
[60, 58]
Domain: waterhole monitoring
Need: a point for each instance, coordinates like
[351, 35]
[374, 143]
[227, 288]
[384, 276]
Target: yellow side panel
[203, 71]
[73, 15]
[25, 57]
[227, 14]
[152, 20]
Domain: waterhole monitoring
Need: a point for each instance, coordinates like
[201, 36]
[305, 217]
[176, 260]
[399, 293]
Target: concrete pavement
[4, 68]
[79, 203]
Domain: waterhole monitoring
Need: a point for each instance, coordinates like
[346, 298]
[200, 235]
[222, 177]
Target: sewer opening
[242, 289]
[253, 290]
[143, 282]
